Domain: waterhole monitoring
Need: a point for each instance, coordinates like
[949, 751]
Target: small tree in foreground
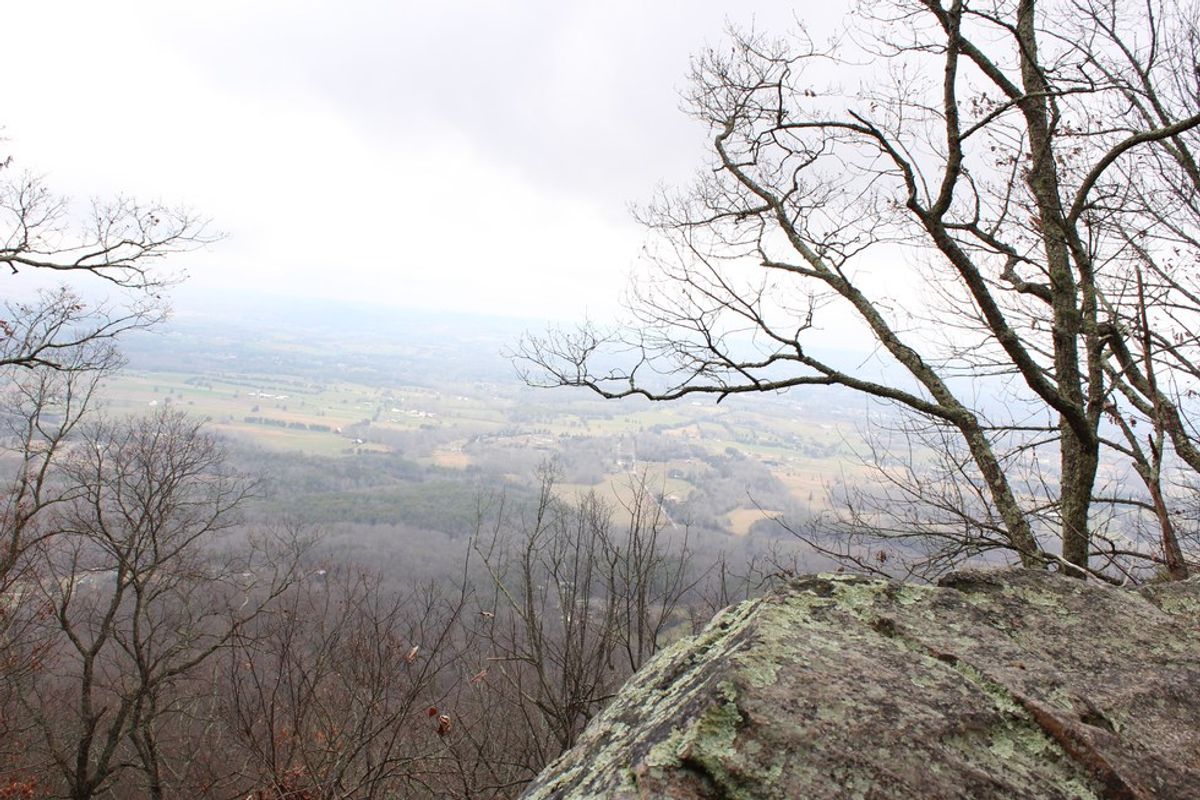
[1033, 165]
[582, 592]
[130, 597]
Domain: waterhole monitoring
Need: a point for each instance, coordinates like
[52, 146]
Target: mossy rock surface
[1005, 684]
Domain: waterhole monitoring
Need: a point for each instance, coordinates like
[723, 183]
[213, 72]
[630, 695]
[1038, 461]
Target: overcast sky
[471, 154]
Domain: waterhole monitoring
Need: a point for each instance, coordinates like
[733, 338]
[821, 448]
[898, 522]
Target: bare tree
[1025, 159]
[55, 347]
[135, 596]
[647, 572]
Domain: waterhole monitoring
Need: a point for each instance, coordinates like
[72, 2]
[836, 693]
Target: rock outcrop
[1005, 684]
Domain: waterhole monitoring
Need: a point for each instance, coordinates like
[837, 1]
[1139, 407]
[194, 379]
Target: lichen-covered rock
[1014, 684]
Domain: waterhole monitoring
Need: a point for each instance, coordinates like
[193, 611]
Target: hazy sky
[469, 154]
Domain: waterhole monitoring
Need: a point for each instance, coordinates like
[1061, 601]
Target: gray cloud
[580, 96]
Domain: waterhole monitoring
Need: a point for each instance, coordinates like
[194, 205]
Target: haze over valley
[410, 420]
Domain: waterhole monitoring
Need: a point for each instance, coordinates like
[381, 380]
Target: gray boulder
[1006, 684]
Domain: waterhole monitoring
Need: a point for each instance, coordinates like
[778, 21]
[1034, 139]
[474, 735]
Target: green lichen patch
[995, 685]
[1181, 598]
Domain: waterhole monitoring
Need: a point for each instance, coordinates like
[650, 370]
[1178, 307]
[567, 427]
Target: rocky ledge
[1007, 684]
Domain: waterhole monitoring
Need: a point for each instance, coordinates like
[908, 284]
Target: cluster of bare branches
[581, 595]
[119, 244]
[1031, 168]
